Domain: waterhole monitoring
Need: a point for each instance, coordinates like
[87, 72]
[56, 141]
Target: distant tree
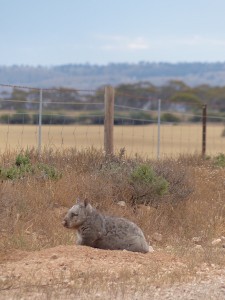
[63, 98]
[168, 117]
[187, 99]
[18, 99]
[177, 85]
[135, 94]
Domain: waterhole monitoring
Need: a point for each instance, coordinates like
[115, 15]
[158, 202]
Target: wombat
[104, 232]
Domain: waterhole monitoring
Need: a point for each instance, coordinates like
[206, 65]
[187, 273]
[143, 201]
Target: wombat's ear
[89, 208]
[85, 202]
[78, 201]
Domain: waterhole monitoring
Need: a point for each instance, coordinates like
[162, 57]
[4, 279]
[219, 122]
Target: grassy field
[174, 139]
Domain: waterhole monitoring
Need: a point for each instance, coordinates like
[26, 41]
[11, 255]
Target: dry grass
[31, 210]
[175, 139]
[193, 206]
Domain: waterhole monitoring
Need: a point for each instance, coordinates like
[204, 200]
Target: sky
[56, 32]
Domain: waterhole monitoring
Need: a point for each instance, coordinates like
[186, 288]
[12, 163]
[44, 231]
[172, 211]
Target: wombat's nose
[64, 223]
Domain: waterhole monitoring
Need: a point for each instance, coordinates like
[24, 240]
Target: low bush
[53, 119]
[17, 118]
[168, 117]
[48, 171]
[212, 118]
[133, 118]
[90, 119]
[219, 160]
[22, 160]
[147, 183]
[23, 167]
[195, 119]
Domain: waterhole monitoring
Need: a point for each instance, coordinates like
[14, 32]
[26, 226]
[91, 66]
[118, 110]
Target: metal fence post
[40, 124]
[109, 120]
[159, 124]
[204, 121]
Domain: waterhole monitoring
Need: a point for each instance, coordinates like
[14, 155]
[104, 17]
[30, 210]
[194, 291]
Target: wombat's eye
[74, 215]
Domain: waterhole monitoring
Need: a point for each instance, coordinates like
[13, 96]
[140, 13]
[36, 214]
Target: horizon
[100, 32]
[114, 63]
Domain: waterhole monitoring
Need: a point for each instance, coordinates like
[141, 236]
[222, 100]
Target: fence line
[131, 95]
[40, 123]
[153, 135]
[52, 102]
[159, 123]
[130, 107]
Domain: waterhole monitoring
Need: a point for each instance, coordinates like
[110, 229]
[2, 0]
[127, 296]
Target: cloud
[122, 43]
[201, 41]
[194, 41]
[140, 43]
[171, 48]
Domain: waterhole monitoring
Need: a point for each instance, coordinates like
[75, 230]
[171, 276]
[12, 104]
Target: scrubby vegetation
[184, 196]
[24, 167]
[219, 160]
[180, 200]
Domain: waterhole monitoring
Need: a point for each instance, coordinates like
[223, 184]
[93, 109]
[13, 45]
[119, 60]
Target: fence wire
[75, 118]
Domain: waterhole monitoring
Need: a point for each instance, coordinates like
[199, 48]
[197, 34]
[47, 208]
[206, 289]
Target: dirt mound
[79, 258]
[76, 272]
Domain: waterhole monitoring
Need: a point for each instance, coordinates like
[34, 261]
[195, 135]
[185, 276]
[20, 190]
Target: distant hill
[86, 76]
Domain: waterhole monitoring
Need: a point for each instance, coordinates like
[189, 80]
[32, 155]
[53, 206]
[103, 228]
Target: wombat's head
[77, 214]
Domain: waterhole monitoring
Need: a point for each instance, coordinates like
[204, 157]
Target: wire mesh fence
[69, 118]
[64, 118]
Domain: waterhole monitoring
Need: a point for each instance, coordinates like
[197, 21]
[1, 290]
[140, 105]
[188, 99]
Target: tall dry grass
[32, 207]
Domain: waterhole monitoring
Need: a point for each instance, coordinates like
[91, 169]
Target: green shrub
[18, 118]
[147, 184]
[168, 117]
[15, 172]
[133, 118]
[219, 160]
[53, 119]
[141, 117]
[90, 119]
[4, 119]
[213, 118]
[24, 167]
[49, 171]
[195, 119]
[20, 169]
[143, 173]
[10, 173]
[22, 160]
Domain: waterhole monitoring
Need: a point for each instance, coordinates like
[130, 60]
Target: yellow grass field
[142, 140]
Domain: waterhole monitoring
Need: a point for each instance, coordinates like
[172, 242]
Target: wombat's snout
[64, 223]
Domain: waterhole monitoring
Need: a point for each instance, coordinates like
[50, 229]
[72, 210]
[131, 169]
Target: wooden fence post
[109, 120]
[204, 120]
[40, 123]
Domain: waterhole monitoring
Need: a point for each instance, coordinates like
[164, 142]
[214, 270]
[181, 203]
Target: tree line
[89, 76]
[70, 106]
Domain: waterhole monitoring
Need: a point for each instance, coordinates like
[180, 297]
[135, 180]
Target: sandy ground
[78, 272]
